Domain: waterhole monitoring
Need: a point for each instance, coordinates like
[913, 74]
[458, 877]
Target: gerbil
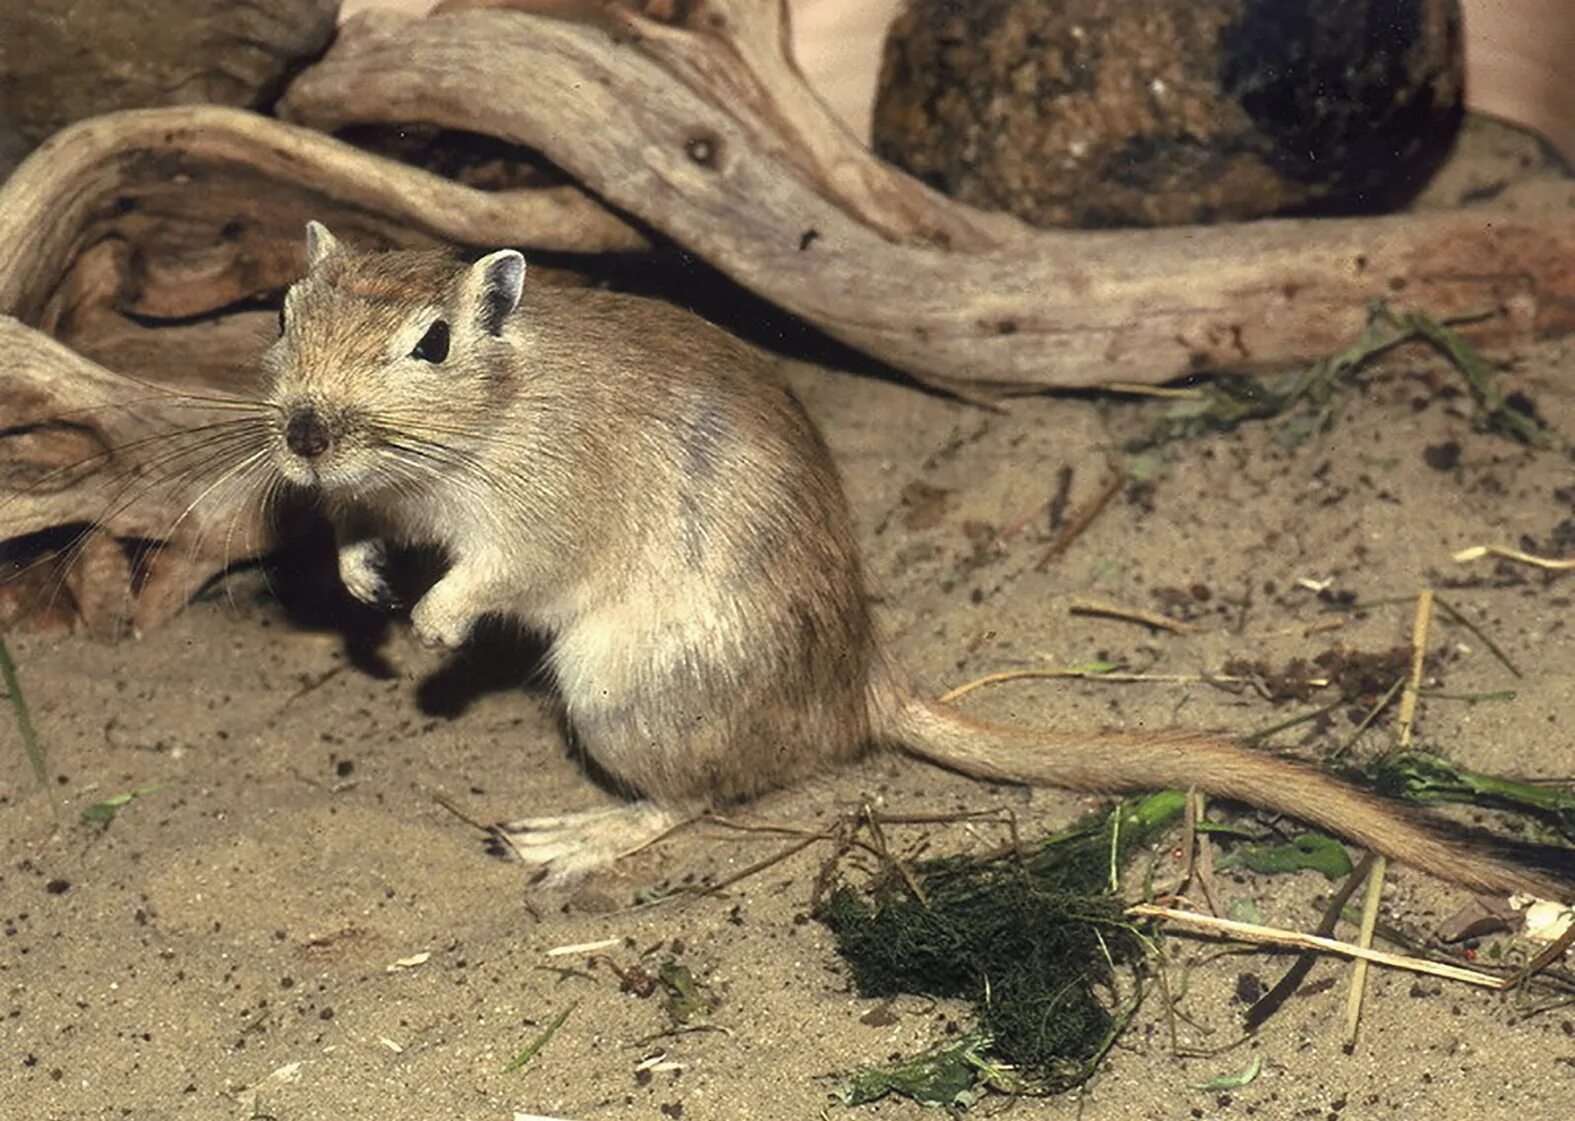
[645, 490]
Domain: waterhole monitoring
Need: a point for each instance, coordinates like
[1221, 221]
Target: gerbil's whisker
[194, 452]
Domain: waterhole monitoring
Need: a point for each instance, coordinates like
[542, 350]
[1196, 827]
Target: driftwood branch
[125, 460]
[136, 249]
[179, 212]
[701, 128]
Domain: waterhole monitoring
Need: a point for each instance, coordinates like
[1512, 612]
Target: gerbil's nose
[305, 434]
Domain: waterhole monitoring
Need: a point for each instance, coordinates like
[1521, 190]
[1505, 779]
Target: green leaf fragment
[1235, 1081]
[1317, 851]
[1226, 402]
[688, 998]
[1421, 777]
[102, 813]
[1225, 829]
[954, 1075]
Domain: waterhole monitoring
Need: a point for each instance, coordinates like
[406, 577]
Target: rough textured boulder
[1108, 113]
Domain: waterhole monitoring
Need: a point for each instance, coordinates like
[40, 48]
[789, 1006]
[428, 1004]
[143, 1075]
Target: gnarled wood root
[135, 249]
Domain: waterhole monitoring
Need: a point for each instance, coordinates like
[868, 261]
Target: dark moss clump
[1032, 938]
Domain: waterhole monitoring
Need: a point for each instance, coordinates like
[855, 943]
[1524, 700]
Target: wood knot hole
[703, 149]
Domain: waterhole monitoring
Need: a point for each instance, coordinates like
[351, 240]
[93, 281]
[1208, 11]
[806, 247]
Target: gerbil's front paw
[439, 624]
[361, 571]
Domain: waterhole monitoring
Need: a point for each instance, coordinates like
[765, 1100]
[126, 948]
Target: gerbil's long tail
[1118, 762]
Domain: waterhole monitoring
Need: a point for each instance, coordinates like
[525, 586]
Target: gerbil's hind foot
[565, 848]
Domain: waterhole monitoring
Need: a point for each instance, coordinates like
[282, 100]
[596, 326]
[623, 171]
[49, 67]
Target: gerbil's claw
[565, 848]
[386, 600]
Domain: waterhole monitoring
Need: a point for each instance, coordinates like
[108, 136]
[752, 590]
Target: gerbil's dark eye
[433, 346]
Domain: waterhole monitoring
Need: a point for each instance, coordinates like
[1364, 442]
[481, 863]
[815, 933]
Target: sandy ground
[226, 947]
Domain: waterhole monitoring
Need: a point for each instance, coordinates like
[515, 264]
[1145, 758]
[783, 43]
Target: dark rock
[1109, 113]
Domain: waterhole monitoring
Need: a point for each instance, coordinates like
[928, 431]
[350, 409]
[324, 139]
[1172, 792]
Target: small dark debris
[1442, 457]
[924, 505]
[58, 887]
[1292, 682]
[1179, 603]
[986, 545]
[1249, 988]
[1059, 499]
[1364, 677]
[881, 1016]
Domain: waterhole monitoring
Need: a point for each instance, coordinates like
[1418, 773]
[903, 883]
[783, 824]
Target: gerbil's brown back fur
[645, 490]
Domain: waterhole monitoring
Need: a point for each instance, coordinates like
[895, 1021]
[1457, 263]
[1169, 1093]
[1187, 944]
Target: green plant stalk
[540, 1041]
[24, 725]
[1426, 778]
[1478, 374]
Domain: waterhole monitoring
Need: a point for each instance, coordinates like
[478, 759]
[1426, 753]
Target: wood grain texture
[671, 122]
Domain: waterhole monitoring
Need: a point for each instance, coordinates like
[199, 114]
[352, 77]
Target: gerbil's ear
[497, 280]
[319, 243]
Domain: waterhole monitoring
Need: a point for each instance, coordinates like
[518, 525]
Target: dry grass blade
[1420, 626]
[1272, 936]
[1118, 677]
[1115, 611]
[1477, 552]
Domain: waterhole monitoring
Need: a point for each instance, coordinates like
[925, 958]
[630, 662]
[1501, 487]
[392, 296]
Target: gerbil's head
[391, 366]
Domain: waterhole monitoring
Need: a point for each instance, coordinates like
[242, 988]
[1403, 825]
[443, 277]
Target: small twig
[883, 852]
[1116, 677]
[761, 865]
[1131, 614]
[1270, 936]
[1137, 389]
[1421, 623]
[1470, 698]
[1083, 518]
[1291, 722]
[584, 947]
[1477, 552]
[316, 683]
[1456, 617]
[1367, 720]
[1060, 498]
[444, 801]
[1197, 806]
[1364, 938]
[1271, 1002]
